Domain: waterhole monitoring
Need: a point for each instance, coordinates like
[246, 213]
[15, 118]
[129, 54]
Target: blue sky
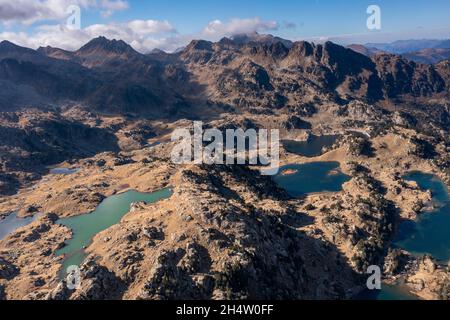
[342, 21]
[312, 17]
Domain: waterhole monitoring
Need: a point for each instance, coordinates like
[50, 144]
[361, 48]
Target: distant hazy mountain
[407, 46]
[367, 51]
[428, 56]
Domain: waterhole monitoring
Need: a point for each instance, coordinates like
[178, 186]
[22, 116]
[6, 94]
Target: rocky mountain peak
[7, 47]
[200, 45]
[303, 48]
[104, 45]
[256, 38]
[7, 44]
[348, 59]
[55, 53]
[402, 76]
[102, 52]
[198, 51]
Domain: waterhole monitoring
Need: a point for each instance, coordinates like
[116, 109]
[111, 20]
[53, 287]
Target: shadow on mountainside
[30, 142]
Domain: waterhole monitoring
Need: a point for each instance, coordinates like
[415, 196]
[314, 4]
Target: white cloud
[28, 12]
[216, 28]
[289, 25]
[110, 6]
[144, 27]
[142, 35]
[114, 5]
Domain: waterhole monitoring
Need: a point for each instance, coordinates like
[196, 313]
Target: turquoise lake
[107, 214]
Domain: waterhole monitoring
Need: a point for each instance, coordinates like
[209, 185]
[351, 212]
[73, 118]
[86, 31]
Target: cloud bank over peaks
[216, 28]
[137, 33]
[143, 35]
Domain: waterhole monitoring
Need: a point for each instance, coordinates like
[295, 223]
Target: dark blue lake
[312, 147]
[431, 232]
[63, 171]
[311, 178]
[12, 222]
[387, 292]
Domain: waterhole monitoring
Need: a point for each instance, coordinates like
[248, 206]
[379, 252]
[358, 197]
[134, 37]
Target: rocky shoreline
[226, 233]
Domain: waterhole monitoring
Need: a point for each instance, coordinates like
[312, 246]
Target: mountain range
[81, 128]
[421, 51]
[258, 72]
[408, 46]
[428, 56]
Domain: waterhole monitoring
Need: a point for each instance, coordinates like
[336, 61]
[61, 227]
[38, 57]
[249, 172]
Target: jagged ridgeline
[245, 72]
